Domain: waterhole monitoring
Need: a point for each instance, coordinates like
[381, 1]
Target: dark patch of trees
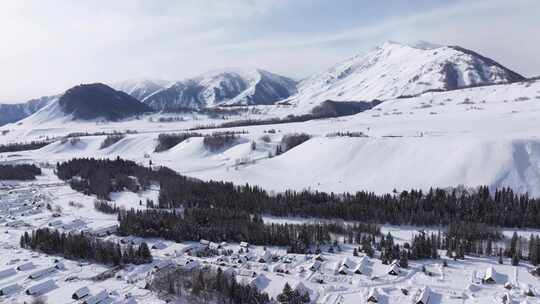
[416, 207]
[534, 250]
[102, 133]
[219, 225]
[346, 134]
[290, 141]
[17, 147]
[290, 296]
[83, 246]
[205, 285]
[19, 172]
[111, 140]
[167, 141]
[101, 177]
[219, 141]
[331, 108]
[105, 207]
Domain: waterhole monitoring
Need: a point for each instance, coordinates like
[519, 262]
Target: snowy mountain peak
[231, 86]
[140, 88]
[396, 69]
[425, 45]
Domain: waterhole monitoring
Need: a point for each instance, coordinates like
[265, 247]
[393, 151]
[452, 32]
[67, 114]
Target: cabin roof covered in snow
[41, 272]
[373, 294]
[266, 256]
[102, 295]
[347, 262]
[26, 266]
[7, 272]
[81, 292]
[9, 289]
[40, 287]
[393, 268]
[490, 274]
[423, 298]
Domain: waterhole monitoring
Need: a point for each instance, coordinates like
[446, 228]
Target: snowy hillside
[475, 136]
[224, 87]
[140, 88]
[84, 102]
[393, 70]
[15, 112]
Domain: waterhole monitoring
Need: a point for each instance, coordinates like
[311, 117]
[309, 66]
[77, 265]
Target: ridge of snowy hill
[224, 87]
[14, 112]
[394, 70]
[140, 88]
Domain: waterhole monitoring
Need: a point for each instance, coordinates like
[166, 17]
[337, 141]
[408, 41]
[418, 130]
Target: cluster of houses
[15, 206]
[37, 289]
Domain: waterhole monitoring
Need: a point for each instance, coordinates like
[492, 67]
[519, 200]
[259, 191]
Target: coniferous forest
[502, 208]
[206, 285]
[19, 172]
[82, 246]
[234, 226]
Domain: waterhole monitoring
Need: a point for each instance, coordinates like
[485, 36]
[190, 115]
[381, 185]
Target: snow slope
[394, 69]
[14, 112]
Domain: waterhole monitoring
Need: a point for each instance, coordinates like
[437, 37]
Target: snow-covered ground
[478, 136]
[460, 282]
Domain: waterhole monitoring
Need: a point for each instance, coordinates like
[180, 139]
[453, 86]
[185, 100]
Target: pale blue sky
[48, 46]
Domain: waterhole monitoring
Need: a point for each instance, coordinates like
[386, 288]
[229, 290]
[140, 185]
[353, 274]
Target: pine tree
[513, 245]
[287, 295]
[515, 259]
[489, 247]
[144, 253]
[404, 259]
[532, 250]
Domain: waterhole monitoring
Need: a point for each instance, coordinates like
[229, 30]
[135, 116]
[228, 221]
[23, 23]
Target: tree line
[218, 225]
[415, 207]
[169, 140]
[83, 246]
[16, 147]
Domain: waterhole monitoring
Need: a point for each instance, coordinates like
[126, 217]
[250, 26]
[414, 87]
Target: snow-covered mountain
[140, 88]
[224, 87]
[394, 70]
[14, 112]
[97, 100]
[85, 102]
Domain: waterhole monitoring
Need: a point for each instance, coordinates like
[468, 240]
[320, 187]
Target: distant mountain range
[389, 71]
[223, 88]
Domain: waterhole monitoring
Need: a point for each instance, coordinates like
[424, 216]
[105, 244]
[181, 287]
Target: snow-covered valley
[431, 130]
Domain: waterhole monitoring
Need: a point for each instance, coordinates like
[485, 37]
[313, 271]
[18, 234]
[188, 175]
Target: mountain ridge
[392, 70]
[223, 87]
